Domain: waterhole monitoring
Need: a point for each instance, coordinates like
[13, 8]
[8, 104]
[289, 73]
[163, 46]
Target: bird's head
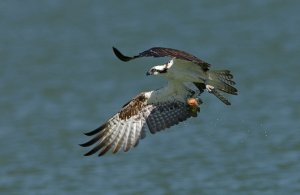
[160, 69]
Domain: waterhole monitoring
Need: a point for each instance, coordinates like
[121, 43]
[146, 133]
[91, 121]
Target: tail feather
[222, 80]
[220, 97]
[224, 75]
[222, 86]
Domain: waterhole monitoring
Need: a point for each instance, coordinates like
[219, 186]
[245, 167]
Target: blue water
[59, 79]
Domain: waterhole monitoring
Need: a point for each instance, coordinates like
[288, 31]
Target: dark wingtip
[82, 145]
[92, 132]
[121, 56]
[88, 154]
[96, 130]
[90, 142]
[94, 150]
[86, 144]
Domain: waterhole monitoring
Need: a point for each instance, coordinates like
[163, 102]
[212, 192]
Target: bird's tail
[221, 80]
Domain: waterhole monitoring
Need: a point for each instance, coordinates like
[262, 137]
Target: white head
[160, 69]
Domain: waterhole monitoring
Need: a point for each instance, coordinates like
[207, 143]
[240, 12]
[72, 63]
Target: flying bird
[188, 77]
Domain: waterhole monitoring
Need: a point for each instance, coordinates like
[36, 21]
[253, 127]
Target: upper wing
[127, 127]
[163, 52]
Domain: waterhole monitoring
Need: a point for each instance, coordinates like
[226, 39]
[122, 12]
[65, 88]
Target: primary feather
[187, 75]
[156, 110]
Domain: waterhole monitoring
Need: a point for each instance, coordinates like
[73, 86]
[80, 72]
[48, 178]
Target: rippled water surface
[59, 78]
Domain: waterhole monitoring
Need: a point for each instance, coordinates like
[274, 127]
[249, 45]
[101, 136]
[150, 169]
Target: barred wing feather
[127, 127]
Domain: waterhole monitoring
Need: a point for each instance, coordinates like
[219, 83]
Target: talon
[209, 87]
[194, 106]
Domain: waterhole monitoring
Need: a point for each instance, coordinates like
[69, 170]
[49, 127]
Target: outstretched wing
[163, 52]
[127, 127]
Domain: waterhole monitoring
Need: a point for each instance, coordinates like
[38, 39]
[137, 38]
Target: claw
[194, 105]
[209, 88]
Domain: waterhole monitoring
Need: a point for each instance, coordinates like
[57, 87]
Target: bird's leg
[193, 104]
[193, 101]
[196, 96]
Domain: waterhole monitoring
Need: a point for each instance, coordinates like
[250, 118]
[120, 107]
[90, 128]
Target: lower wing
[121, 132]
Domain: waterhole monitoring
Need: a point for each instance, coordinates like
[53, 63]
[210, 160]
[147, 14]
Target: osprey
[187, 75]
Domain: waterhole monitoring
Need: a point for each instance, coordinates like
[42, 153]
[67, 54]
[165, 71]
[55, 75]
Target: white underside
[172, 91]
[186, 71]
[180, 75]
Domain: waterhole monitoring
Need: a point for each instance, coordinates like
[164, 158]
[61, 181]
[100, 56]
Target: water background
[59, 78]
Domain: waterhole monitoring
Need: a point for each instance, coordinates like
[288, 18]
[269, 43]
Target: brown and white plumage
[157, 110]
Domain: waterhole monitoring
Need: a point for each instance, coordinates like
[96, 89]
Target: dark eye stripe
[163, 70]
